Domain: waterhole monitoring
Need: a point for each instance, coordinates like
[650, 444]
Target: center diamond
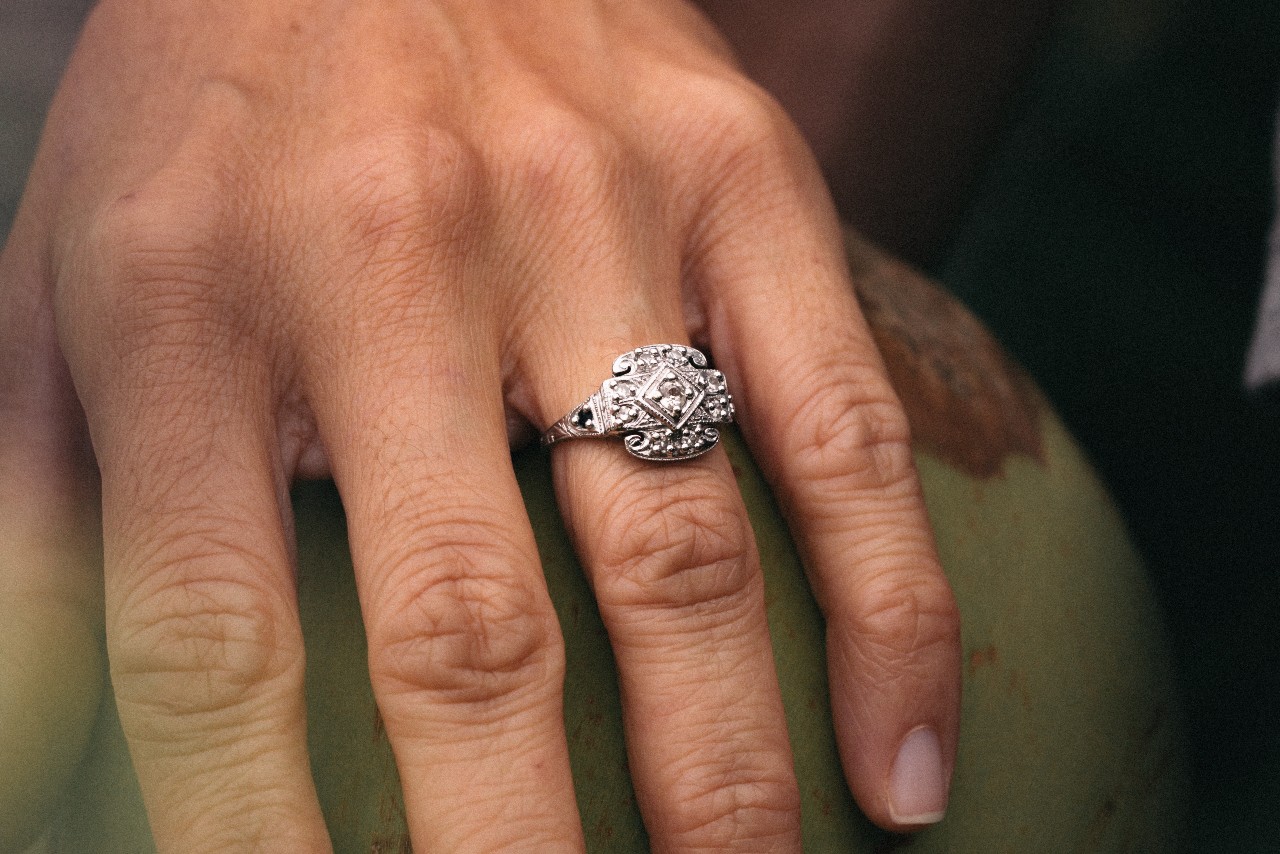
[670, 397]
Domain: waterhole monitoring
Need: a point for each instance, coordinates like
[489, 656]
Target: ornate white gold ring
[663, 401]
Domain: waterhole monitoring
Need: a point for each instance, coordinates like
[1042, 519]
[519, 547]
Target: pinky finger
[818, 410]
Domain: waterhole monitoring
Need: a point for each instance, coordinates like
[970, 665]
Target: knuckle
[848, 432]
[139, 230]
[897, 616]
[202, 636]
[736, 808]
[401, 203]
[741, 129]
[160, 264]
[560, 160]
[459, 625]
[681, 544]
[397, 192]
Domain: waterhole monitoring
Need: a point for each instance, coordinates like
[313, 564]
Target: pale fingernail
[917, 783]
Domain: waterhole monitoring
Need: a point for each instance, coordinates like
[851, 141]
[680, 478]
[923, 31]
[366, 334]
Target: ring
[662, 400]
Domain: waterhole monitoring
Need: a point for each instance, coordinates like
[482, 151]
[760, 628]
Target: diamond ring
[662, 400]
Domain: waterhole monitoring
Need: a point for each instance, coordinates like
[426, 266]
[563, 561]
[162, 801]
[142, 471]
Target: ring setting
[662, 400]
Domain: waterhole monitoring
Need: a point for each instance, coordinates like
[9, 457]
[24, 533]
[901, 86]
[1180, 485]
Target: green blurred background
[1115, 244]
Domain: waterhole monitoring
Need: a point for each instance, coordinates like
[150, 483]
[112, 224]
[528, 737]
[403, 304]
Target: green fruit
[1070, 739]
[50, 685]
[51, 680]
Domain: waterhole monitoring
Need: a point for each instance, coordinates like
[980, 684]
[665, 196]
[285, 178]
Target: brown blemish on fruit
[985, 657]
[968, 403]
[824, 803]
[1101, 821]
[1018, 687]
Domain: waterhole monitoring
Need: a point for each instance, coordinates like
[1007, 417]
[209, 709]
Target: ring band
[662, 400]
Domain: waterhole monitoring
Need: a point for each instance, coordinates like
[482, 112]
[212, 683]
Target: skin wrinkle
[407, 199]
[210, 618]
[157, 458]
[854, 447]
[903, 617]
[846, 426]
[407, 501]
[565, 243]
[743, 199]
[876, 524]
[171, 543]
[462, 652]
[749, 142]
[735, 792]
[899, 498]
[685, 811]
[171, 333]
[410, 514]
[680, 698]
[167, 332]
[581, 178]
[509, 718]
[231, 742]
[650, 629]
[185, 464]
[250, 838]
[415, 574]
[658, 567]
[453, 620]
[727, 247]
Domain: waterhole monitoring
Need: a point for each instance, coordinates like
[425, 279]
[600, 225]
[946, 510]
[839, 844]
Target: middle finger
[464, 650]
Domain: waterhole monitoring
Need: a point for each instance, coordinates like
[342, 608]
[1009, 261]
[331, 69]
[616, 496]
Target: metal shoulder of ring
[663, 401]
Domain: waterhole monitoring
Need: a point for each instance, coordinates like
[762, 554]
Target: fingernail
[917, 785]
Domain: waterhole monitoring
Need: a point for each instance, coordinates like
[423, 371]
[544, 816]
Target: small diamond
[671, 397]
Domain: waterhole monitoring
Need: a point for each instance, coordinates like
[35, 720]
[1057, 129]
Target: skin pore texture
[303, 239]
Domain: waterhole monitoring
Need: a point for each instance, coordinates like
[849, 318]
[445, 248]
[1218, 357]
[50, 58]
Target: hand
[270, 241]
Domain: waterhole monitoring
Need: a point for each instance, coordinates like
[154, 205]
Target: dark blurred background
[1115, 244]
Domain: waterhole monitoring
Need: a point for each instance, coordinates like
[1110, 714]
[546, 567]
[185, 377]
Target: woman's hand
[274, 240]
